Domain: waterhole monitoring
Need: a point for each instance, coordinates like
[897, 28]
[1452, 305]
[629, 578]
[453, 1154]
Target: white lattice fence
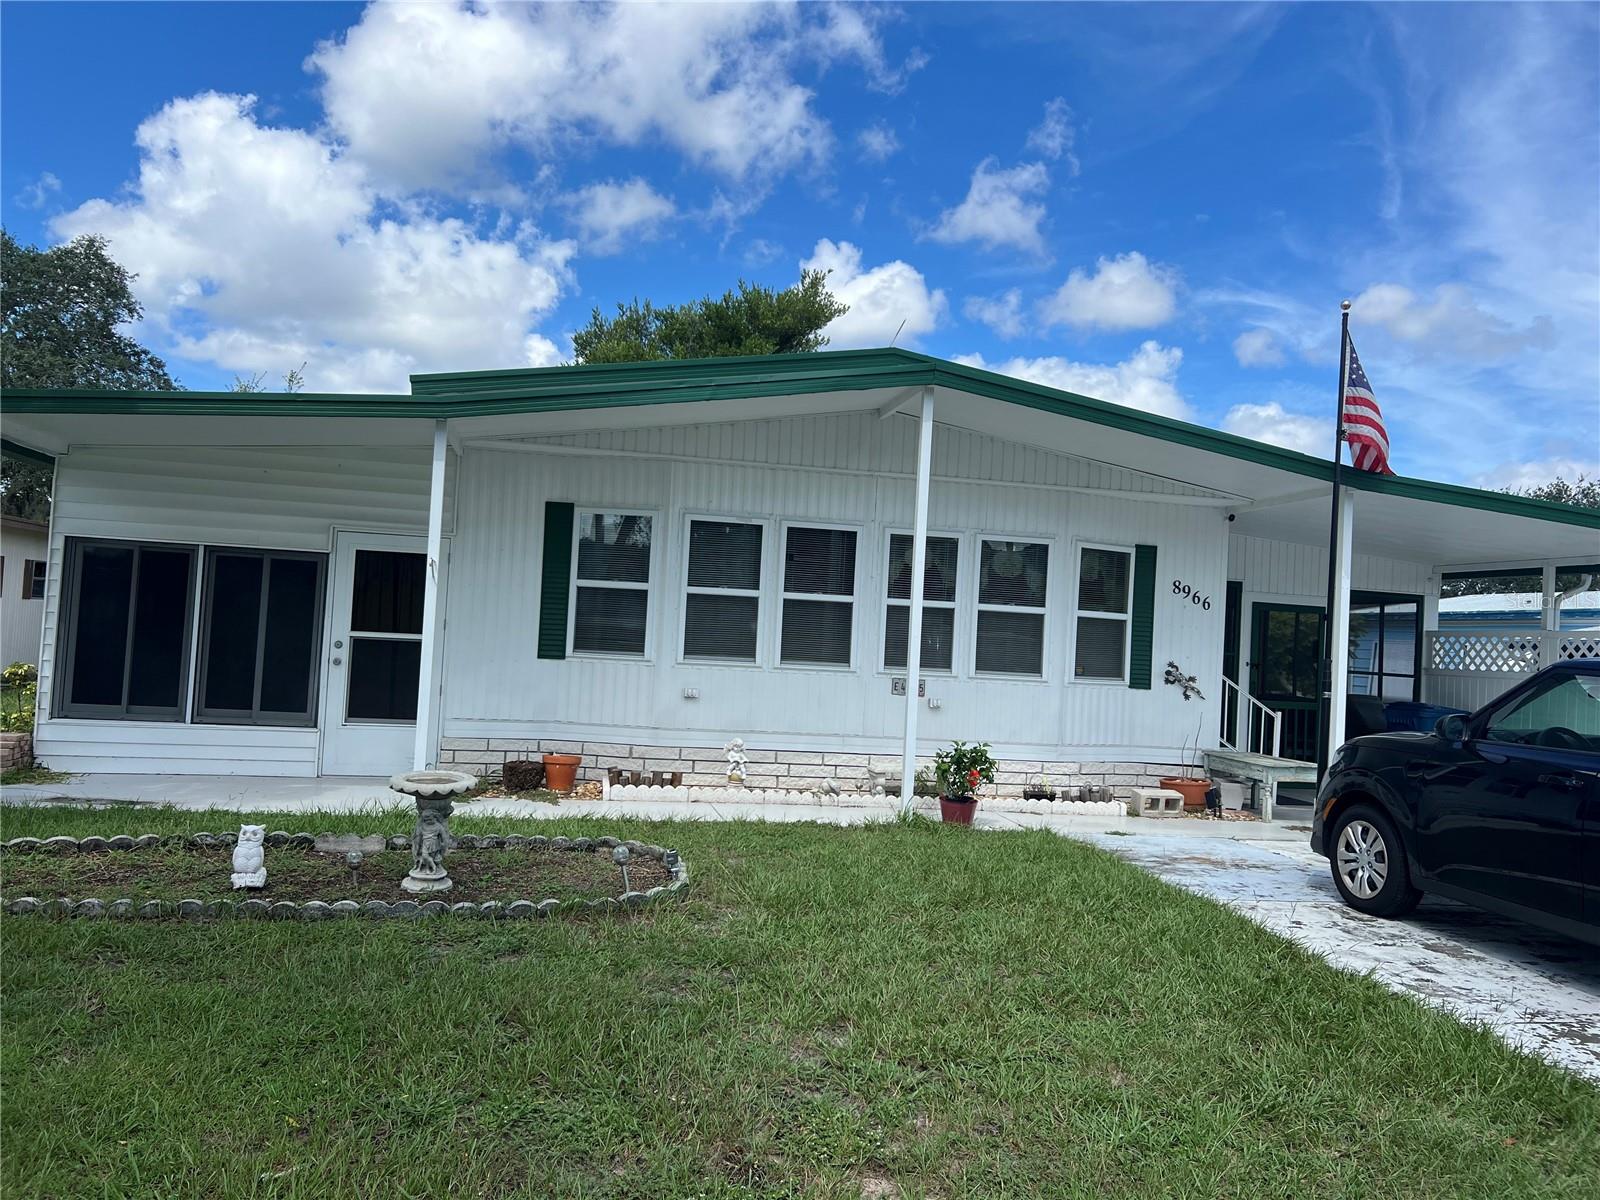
[1577, 645]
[1503, 653]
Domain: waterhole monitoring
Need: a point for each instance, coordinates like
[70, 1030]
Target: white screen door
[374, 653]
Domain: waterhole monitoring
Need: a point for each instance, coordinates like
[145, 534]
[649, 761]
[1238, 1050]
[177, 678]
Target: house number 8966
[1180, 588]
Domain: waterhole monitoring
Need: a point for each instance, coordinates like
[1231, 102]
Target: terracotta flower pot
[561, 771]
[1193, 791]
[957, 810]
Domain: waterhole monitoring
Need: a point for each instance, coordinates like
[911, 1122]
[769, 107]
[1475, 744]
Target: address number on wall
[1192, 595]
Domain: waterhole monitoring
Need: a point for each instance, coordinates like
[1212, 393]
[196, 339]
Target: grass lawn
[880, 1012]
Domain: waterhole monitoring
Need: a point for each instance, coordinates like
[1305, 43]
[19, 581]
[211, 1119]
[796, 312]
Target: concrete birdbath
[434, 792]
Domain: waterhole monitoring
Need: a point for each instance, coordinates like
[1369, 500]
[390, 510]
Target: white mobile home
[640, 562]
[23, 545]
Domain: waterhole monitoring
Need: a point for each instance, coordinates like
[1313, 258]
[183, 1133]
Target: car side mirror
[1452, 727]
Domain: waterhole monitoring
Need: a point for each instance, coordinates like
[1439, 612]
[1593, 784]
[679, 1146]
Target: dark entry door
[1285, 668]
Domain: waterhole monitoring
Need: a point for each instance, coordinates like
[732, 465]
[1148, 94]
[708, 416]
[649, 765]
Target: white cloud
[1002, 313]
[877, 143]
[1452, 322]
[759, 252]
[1054, 136]
[610, 214]
[1126, 292]
[39, 193]
[277, 250]
[1272, 423]
[880, 299]
[1001, 209]
[1147, 381]
[1520, 476]
[1257, 348]
[424, 93]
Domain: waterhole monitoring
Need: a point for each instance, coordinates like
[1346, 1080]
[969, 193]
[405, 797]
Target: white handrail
[1251, 744]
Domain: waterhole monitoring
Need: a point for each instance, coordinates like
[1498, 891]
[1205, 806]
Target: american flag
[1363, 420]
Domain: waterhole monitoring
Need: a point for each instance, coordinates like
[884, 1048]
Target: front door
[374, 654]
[1285, 670]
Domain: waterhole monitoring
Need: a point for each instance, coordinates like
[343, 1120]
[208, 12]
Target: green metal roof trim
[689, 381]
[26, 453]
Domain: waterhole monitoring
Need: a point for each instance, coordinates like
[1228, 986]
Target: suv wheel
[1369, 864]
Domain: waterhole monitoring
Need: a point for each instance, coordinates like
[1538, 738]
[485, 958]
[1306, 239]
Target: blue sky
[1158, 205]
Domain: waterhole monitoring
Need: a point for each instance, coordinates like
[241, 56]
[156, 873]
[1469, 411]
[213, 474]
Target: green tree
[751, 320]
[293, 381]
[1582, 491]
[61, 316]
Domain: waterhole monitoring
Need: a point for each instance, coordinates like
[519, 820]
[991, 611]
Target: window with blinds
[611, 583]
[1101, 652]
[722, 604]
[819, 586]
[938, 603]
[1012, 586]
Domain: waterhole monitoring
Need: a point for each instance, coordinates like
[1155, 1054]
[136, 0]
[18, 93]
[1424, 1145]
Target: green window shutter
[1142, 627]
[556, 579]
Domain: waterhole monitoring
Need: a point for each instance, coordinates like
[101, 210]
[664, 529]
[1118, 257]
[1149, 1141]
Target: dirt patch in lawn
[300, 874]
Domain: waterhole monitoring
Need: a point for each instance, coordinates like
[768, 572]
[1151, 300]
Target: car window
[1564, 712]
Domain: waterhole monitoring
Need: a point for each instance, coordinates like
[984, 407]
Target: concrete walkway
[1538, 991]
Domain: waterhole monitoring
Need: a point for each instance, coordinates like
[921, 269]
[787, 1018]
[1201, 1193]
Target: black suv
[1500, 808]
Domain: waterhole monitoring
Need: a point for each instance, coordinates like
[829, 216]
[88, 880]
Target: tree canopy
[61, 316]
[750, 320]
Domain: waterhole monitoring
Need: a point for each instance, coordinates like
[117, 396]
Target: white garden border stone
[191, 910]
[702, 794]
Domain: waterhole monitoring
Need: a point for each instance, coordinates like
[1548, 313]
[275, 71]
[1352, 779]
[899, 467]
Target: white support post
[425, 747]
[919, 559]
[1551, 614]
[1339, 682]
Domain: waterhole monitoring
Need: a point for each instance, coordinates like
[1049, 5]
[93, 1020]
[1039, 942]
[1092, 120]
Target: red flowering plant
[963, 768]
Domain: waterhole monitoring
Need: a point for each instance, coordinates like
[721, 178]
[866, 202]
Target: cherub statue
[877, 781]
[738, 760]
[429, 841]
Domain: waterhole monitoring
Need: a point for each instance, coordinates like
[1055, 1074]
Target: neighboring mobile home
[641, 562]
[24, 548]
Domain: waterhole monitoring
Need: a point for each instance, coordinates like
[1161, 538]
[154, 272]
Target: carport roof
[490, 403]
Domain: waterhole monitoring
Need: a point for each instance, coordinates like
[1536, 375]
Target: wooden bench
[1262, 772]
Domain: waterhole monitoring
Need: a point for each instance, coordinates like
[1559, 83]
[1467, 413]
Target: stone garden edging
[707, 794]
[316, 910]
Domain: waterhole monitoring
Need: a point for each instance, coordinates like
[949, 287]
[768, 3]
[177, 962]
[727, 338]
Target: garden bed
[190, 876]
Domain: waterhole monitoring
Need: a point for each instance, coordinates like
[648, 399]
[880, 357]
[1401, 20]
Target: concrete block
[597, 750]
[555, 747]
[454, 743]
[1154, 802]
[518, 745]
[844, 760]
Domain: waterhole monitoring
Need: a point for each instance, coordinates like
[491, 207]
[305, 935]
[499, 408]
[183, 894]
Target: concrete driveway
[1539, 991]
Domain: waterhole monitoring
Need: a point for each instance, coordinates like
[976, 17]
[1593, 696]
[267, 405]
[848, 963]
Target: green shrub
[19, 692]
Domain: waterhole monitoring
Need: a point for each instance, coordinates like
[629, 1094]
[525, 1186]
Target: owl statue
[249, 858]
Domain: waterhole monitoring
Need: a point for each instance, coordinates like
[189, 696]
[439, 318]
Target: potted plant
[1039, 791]
[1193, 784]
[960, 771]
[561, 771]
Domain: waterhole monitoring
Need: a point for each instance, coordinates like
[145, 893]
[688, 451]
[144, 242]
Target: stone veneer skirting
[794, 770]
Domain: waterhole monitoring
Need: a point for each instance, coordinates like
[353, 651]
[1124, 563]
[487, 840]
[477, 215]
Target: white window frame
[574, 582]
[978, 606]
[784, 594]
[763, 601]
[1079, 613]
[960, 539]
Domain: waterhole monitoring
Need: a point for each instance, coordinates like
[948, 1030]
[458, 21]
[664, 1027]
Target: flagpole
[1325, 707]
